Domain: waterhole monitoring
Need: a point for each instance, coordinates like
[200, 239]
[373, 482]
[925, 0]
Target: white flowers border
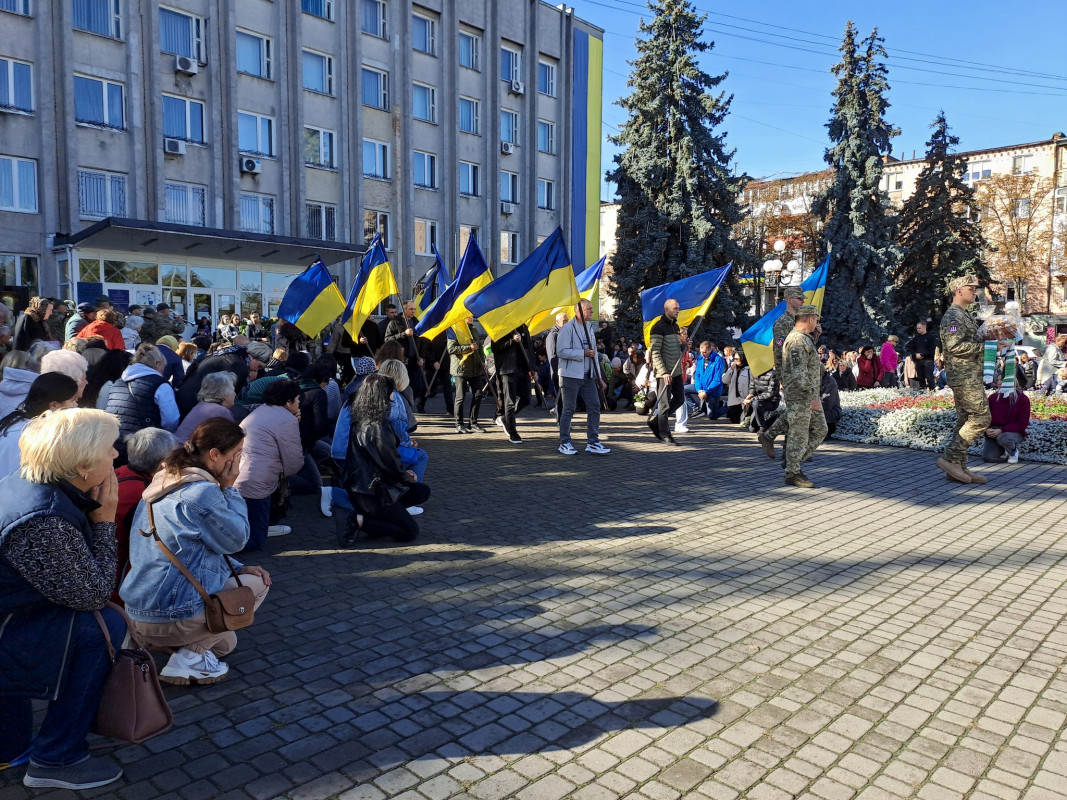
[932, 429]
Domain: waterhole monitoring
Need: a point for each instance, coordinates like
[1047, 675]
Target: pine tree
[859, 230]
[939, 232]
[678, 198]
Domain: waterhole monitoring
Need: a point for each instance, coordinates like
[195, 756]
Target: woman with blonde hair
[403, 422]
[57, 567]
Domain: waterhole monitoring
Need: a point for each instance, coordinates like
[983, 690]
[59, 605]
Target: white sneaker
[415, 510]
[279, 530]
[187, 667]
[498, 421]
[1014, 458]
[326, 501]
[681, 429]
[567, 449]
[596, 448]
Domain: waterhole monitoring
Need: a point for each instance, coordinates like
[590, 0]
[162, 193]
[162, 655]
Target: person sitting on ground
[1009, 418]
[49, 392]
[736, 380]
[187, 352]
[379, 488]
[30, 327]
[18, 371]
[174, 372]
[831, 402]
[101, 376]
[57, 566]
[1057, 384]
[244, 359]
[844, 377]
[315, 431]
[194, 485]
[401, 418]
[216, 398]
[142, 398]
[104, 327]
[766, 397]
[272, 453]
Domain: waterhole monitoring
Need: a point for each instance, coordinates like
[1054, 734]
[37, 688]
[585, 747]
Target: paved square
[660, 623]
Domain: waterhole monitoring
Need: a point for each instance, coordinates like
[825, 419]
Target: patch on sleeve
[779, 342]
[953, 328]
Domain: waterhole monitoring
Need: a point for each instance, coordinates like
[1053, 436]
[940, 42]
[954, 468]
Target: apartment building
[203, 153]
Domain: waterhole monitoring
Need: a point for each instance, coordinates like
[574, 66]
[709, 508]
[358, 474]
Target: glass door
[204, 308]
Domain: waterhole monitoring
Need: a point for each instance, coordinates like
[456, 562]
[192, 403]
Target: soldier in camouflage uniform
[963, 349]
[783, 326]
[801, 385]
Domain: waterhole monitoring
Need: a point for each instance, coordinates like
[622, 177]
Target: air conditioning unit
[507, 208]
[250, 166]
[174, 147]
[518, 87]
[507, 148]
[186, 65]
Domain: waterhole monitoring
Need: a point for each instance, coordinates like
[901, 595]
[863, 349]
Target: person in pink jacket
[889, 360]
[272, 452]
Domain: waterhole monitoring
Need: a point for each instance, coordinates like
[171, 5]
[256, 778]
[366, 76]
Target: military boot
[797, 479]
[975, 478]
[953, 471]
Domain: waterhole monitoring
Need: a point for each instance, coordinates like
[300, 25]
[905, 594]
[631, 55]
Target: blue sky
[997, 69]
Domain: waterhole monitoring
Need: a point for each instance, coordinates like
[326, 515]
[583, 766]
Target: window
[546, 78]
[18, 270]
[469, 183]
[509, 247]
[1021, 209]
[183, 119]
[546, 194]
[101, 194]
[1022, 165]
[98, 102]
[509, 187]
[424, 103]
[509, 126]
[469, 111]
[469, 45]
[466, 232]
[253, 55]
[425, 236]
[1059, 202]
[373, 17]
[318, 147]
[183, 203]
[375, 159]
[376, 222]
[424, 34]
[979, 171]
[375, 88]
[255, 134]
[321, 222]
[318, 72]
[98, 16]
[18, 185]
[546, 136]
[16, 85]
[257, 213]
[16, 6]
[318, 8]
[181, 34]
[510, 64]
[425, 166]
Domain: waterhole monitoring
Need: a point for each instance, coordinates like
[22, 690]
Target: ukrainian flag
[758, 341]
[312, 300]
[694, 296]
[544, 280]
[433, 283]
[374, 283]
[588, 283]
[450, 306]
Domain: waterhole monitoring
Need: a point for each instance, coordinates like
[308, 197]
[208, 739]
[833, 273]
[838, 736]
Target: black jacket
[923, 345]
[511, 357]
[846, 381]
[831, 401]
[767, 391]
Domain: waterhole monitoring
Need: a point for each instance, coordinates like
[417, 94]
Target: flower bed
[925, 421]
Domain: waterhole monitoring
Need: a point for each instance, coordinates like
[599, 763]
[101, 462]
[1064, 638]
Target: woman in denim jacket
[201, 519]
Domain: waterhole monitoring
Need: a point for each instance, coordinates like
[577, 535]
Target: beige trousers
[192, 633]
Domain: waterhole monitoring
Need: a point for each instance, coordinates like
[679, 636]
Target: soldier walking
[783, 326]
[963, 350]
[801, 384]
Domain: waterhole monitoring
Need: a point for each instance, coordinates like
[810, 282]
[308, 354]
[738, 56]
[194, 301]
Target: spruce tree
[678, 198]
[859, 230]
[939, 232]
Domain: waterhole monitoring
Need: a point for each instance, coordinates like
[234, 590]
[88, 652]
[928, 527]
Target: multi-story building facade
[204, 153]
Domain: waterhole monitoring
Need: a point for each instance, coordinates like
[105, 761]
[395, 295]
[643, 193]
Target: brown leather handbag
[228, 610]
[132, 706]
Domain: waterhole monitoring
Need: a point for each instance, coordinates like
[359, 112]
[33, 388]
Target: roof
[1057, 139]
[170, 239]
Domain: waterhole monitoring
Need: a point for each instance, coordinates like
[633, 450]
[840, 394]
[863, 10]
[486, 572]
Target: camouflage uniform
[158, 326]
[801, 376]
[783, 326]
[963, 350]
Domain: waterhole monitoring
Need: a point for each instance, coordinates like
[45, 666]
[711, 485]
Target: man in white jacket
[579, 375]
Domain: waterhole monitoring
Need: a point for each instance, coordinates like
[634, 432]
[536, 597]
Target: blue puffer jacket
[708, 374]
[199, 522]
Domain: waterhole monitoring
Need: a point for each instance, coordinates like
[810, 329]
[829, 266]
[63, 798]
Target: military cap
[808, 311]
[794, 292]
[956, 284]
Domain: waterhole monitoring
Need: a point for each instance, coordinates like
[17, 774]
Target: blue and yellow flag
[312, 300]
[694, 296]
[432, 284]
[450, 306]
[588, 282]
[373, 285]
[544, 280]
[758, 341]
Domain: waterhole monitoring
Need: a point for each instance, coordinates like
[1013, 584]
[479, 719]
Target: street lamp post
[773, 270]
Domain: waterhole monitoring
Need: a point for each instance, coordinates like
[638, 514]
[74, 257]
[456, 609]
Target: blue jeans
[572, 389]
[61, 740]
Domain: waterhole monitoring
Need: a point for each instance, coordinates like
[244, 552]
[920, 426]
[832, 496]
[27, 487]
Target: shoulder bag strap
[107, 636]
